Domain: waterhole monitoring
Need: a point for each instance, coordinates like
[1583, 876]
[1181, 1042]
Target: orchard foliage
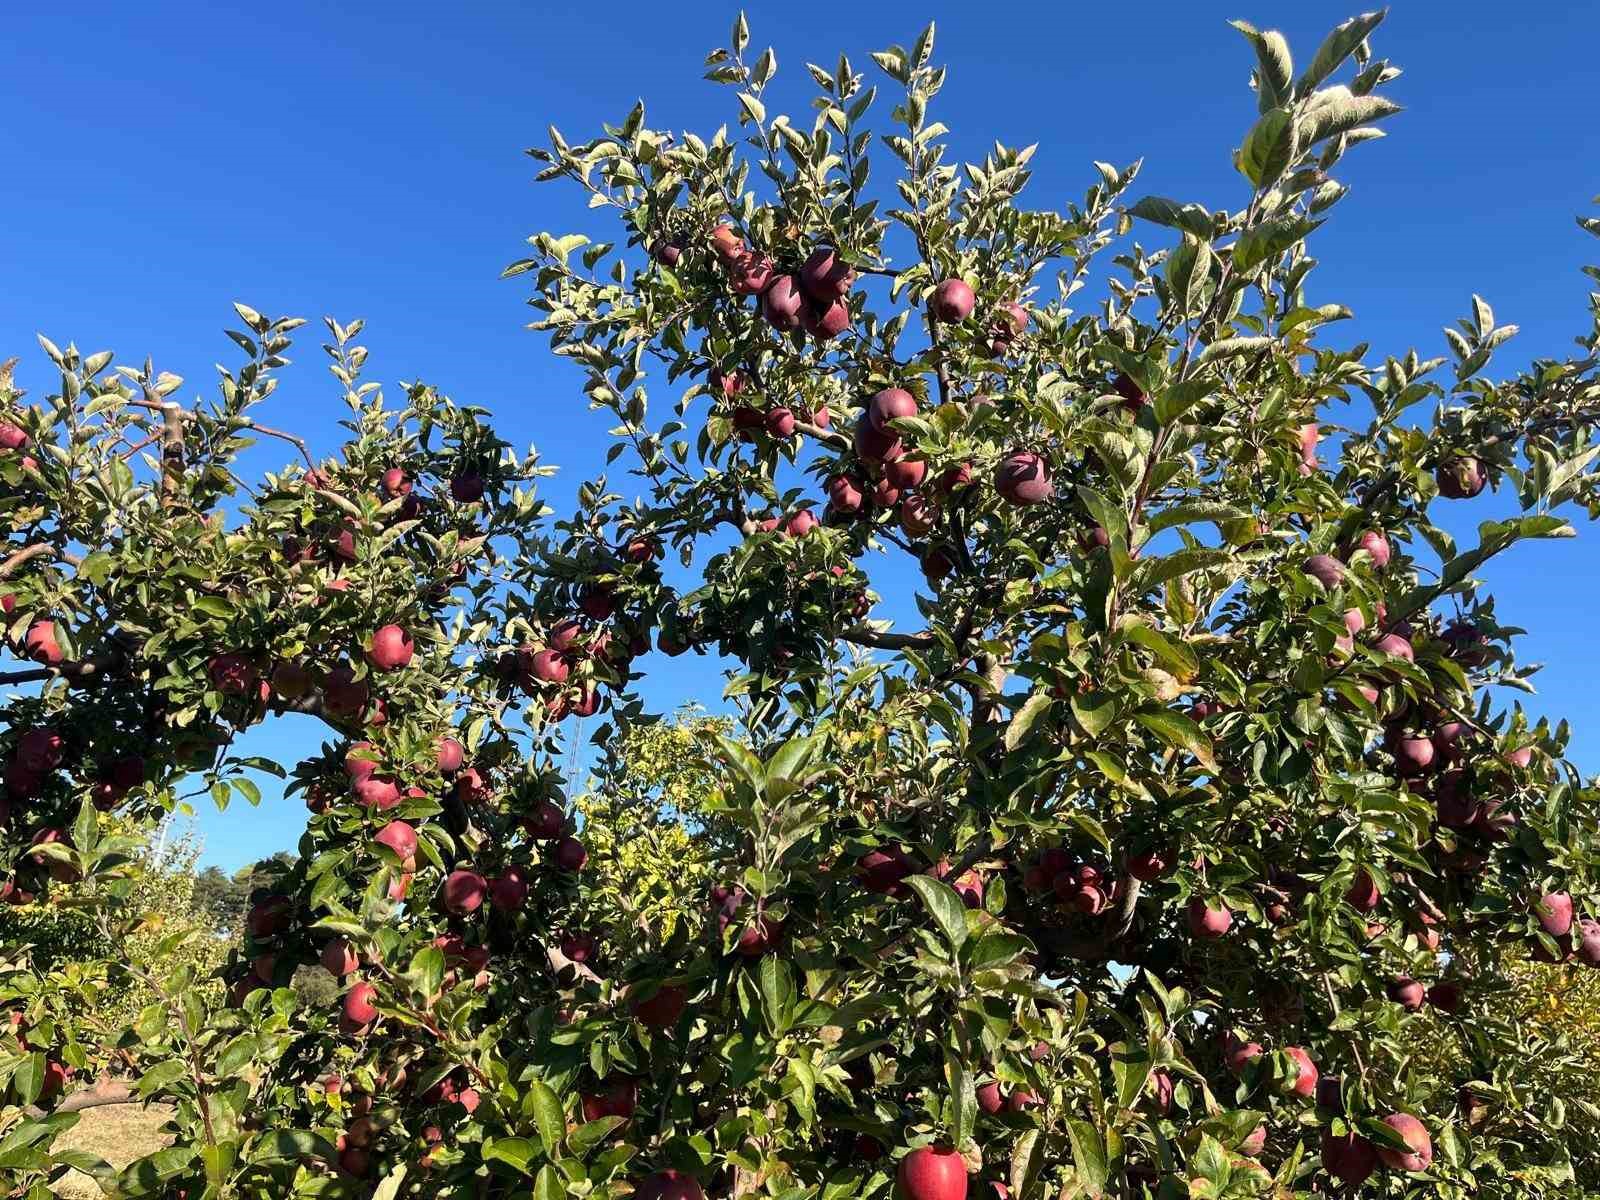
[1181, 849]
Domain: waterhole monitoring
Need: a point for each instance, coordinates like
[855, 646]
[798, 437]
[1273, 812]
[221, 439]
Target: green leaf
[1027, 1159]
[1191, 218]
[963, 1099]
[516, 1152]
[1268, 148]
[1094, 711]
[1018, 728]
[1172, 402]
[1274, 66]
[547, 1114]
[1336, 47]
[1088, 1157]
[944, 906]
[28, 1078]
[777, 992]
[1178, 731]
[215, 606]
[291, 1145]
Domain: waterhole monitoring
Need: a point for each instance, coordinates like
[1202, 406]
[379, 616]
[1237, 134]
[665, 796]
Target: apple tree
[1172, 835]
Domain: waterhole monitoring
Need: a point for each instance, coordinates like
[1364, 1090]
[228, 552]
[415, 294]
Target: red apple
[1460, 478]
[889, 405]
[1304, 1081]
[844, 493]
[339, 957]
[1377, 547]
[668, 1185]
[1325, 569]
[1023, 478]
[391, 648]
[466, 487]
[933, 1173]
[1363, 894]
[509, 891]
[464, 891]
[545, 821]
[1407, 993]
[358, 1003]
[449, 755]
[400, 837]
[662, 1009]
[1348, 1157]
[781, 303]
[1419, 1154]
[1554, 912]
[570, 854]
[1208, 922]
[952, 300]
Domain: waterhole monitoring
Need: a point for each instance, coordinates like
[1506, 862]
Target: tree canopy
[1182, 848]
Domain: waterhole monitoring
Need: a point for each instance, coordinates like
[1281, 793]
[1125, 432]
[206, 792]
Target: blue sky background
[164, 159]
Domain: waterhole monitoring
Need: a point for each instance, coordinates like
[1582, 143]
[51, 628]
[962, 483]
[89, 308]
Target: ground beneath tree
[118, 1133]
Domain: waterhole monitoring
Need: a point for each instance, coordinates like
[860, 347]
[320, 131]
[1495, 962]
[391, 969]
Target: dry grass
[118, 1133]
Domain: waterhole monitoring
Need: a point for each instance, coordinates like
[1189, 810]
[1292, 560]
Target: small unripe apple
[933, 1173]
[952, 300]
[1419, 1154]
[391, 648]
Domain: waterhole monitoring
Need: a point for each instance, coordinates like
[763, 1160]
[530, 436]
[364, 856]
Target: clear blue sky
[163, 159]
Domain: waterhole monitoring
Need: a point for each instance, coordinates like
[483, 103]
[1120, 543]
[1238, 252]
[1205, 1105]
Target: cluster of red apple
[779, 421]
[1082, 887]
[813, 297]
[57, 1074]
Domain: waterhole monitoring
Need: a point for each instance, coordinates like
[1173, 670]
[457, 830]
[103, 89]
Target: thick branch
[24, 555]
[865, 635]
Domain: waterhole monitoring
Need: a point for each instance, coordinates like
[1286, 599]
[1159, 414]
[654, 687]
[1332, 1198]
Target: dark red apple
[1407, 993]
[1460, 478]
[1325, 569]
[781, 303]
[400, 837]
[662, 1009]
[952, 300]
[844, 493]
[1554, 912]
[1023, 478]
[1208, 922]
[825, 277]
[1363, 894]
[570, 854]
[358, 1003]
[339, 957]
[464, 891]
[1348, 1157]
[391, 648]
[509, 891]
[891, 404]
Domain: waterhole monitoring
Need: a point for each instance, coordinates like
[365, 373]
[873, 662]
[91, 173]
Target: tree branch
[865, 635]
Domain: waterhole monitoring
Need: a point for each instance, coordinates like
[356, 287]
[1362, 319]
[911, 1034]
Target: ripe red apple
[466, 487]
[662, 1009]
[1208, 922]
[464, 891]
[665, 252]
[825, 321]
[1445, 996]
[358, 1003]
[231, 674]
[551, 666]
[883, 871]
[377, 792]
[1325, 569]
[570, 854]
[269, 916]
[1377, 547]
[580, 947]
[874, 445]
[1554, 911]
[668, 1185]
[598, 602]
[825, 277]
[1364, 893]
[1163, 1090]
[1420, 1153]
[952, 300]
[1413, 755]
[781, 303]
[891, 404]
[749, 274]
[905, 473]
[844, 493]
[449, 755]
[1133, 396]
[614, 1098]
[1304, 1081]
[1407, 993]
[1240, 1054]
[918, 516]
[509, 891]
[544, 821]
[40, 750]
[990, 1098]
[1150, 865]
[391, 648]
[40, 643]
[400, 837]
[780, 422]
[339, 957]
[933, 1173]
[1023, 478]
[800, 523]
[1460, 478]
[343, 695]
[936, 564]
[12, 437]
[1348, 1157]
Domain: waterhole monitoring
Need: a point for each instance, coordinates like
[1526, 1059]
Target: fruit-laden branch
[82, 670]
